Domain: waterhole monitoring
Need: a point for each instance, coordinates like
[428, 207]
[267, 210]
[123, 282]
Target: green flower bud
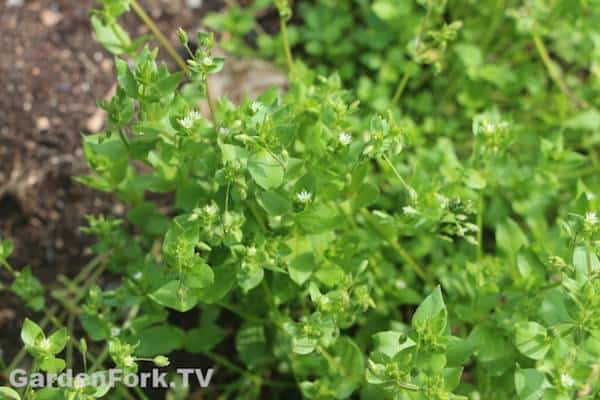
[161, 361]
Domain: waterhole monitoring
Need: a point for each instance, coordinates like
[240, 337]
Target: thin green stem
[28, 391]
[405, 255]
[400, 88]
[124, 138]
[331, 360]
[217, 358]
[141, 13]
[211, 103]
[139, 392]
[83, 276]
[554, 72]
[286, 46]
[402, 252]
[410, 190]
[481, 206]
[498, 15]
[242, 314]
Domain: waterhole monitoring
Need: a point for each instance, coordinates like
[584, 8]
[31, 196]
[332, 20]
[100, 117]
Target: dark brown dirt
[51, 74]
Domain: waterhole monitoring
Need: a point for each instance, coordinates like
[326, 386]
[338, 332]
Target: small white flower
[400, 284]
[129, 361]
[489, 127]
[443, 200]
[566, 380]
[207, 61]
[80, 382]
[408, 210]
[472, 227]
[114, 332]
[223, 131]
[251, 251]
[186, 122]
[591, 218]
[45, 344]
[345, 139]
[211, 209]
[195, 115]
[256, 106]
[137, 276]
[304, 196]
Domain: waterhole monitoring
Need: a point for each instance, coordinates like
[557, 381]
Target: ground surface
[51, 73]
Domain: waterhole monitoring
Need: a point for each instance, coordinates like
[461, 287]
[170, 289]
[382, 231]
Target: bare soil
[51, 74]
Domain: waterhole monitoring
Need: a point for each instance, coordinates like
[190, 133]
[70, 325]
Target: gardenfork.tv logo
[108, 379]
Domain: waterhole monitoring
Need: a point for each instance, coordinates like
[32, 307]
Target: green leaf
[458, 351]
[388, 342]
[158, 340]
[167, 85]
[199, 275]
[274, 203]
[452, 377]
[265, 170]
[251, 345]
[587, 120]
[50, 394]
[530, 384]
[510, 237]
[225, 279]
[249, 276]
[318, 218]
[233, 153]
[52, 364]
[175, 296]
[58, 340]
[301, 267]
[475, 179]
[126, 79]
[111, 36]
[471, 57]
[7, 393]
[31, 333]
[554, 307]
[6, 249]
[350, 368]
[204, 338]
[29, 289]
[368, 194]
[432, 312]
[530, 267]
[585, 262]
[531, 340]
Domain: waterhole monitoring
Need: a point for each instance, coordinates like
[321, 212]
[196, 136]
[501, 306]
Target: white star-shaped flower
[211, 209]
[45, 344]
[567, 380]
[591, 218]
[195, 115]
[304, 196]
[408, 210]
[345, 139]
[129, 361]
[256, 106]
[186, 122]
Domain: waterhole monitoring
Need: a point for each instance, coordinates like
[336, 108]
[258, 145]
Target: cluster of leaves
[440, 241]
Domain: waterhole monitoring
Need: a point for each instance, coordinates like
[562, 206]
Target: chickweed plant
[413, 217]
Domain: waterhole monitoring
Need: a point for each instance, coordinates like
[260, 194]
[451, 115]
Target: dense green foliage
[414, 217]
